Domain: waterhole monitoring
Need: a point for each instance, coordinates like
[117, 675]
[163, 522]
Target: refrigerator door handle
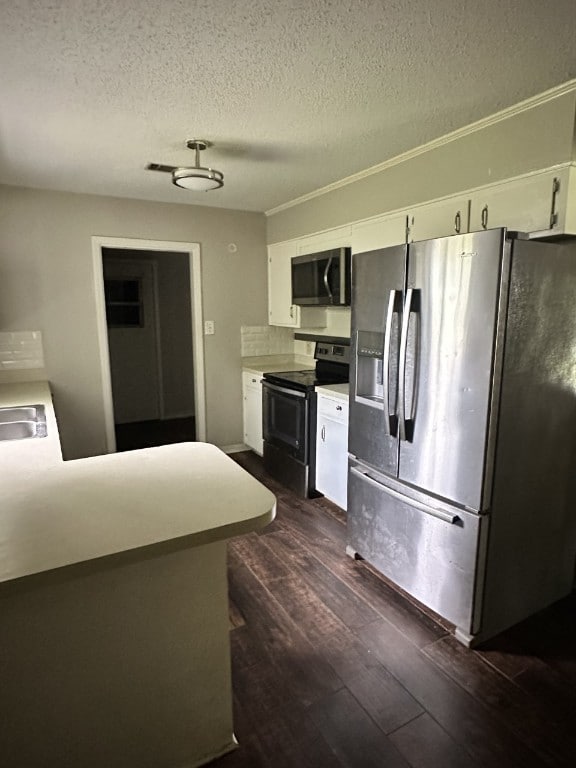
[447, 517]
[391, 420]
[405, 426]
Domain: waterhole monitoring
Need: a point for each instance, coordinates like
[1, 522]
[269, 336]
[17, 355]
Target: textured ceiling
[295, 94]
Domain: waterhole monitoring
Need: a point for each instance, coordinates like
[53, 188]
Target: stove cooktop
[332, 367]
[302, 380]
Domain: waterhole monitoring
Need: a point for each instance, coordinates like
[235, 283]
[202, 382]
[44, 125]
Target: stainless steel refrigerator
[462, 436]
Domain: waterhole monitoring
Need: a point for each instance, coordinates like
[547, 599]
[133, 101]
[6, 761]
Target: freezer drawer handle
[391, 420]
[440, 514]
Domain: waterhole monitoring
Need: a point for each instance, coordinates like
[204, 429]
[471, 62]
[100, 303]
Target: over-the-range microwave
[322, 279]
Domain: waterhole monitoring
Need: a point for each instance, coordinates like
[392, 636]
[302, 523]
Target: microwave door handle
[390, 418]
[326, 283]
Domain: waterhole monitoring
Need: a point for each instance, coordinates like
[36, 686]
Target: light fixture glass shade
[197, 179]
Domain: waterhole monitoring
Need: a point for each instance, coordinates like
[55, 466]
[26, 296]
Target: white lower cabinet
[332, 449]
[252, 411]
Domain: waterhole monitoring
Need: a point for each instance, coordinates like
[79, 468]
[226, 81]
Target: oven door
[285, 417]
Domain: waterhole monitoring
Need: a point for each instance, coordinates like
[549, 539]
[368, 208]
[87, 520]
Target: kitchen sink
[22, 422]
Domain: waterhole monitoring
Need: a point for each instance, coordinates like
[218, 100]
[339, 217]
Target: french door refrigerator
[462, 436]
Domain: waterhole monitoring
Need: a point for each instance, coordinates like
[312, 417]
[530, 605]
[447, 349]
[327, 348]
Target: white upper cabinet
[439, 219]
[543, 202]
[281, 311]
[379, 233]
[526, 205]
[567, 202]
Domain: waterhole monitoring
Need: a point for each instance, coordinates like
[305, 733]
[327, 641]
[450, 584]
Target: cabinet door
[332, 454]
[281, 311]
[379, 233]
[252, 412]
[567, 201]
[447, 217]
[524, 205]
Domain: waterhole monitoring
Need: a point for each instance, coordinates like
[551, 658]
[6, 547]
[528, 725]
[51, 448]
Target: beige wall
[537, 138]
[46, 284]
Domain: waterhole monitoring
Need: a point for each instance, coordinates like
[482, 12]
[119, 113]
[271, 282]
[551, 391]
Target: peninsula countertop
[56, 514]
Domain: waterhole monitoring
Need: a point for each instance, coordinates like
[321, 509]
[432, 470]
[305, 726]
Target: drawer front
[432, 559]
[250, 379]
[333, 408]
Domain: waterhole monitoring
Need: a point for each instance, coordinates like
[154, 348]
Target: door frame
[193, 251]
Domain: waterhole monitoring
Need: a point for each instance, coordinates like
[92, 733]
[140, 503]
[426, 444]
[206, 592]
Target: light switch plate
[208, 327]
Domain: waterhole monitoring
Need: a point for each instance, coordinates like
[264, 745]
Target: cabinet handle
[484, 217]
[457, 223]
[292, 311]
[553, 214]
[338, 407]
[323, 434]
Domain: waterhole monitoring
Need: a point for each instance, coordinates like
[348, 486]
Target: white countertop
[338, 391]
[55, 514]
[274, 363]
[35, 453]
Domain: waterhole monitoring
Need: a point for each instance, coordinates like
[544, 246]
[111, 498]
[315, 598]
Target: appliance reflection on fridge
[463, 424]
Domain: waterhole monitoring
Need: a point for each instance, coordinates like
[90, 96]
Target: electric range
[289, 416]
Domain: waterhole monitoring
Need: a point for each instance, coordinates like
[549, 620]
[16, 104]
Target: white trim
[198, 336]
[235, 448]
[193, 251]
[485, 122]
[158, 331]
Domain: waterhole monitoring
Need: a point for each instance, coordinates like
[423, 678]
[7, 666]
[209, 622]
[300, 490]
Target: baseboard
[234, 448]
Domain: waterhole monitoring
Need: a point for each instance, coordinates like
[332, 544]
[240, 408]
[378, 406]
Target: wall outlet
[208, 327]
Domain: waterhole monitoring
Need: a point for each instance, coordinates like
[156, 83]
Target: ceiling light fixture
[197, 179]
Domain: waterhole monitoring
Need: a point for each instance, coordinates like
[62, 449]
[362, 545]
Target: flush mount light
[197, 178]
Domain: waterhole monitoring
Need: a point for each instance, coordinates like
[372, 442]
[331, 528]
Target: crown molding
[485, 122]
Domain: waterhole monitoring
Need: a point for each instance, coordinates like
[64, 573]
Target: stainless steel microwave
[322, 279]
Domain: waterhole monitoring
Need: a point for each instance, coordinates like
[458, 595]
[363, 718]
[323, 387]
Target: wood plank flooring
[333, 668]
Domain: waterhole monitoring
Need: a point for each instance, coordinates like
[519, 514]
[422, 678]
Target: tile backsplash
[21, 350]
[260, 340]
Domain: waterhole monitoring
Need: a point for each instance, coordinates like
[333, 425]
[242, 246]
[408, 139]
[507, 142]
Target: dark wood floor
[148, 434]
[332, 667]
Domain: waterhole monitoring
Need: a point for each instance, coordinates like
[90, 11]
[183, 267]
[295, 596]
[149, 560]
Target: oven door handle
[285, 390]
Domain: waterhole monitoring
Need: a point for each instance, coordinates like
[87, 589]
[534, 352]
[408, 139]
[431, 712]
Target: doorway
[151, 343]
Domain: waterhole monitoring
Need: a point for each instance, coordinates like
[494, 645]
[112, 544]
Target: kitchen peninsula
[114, 645]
